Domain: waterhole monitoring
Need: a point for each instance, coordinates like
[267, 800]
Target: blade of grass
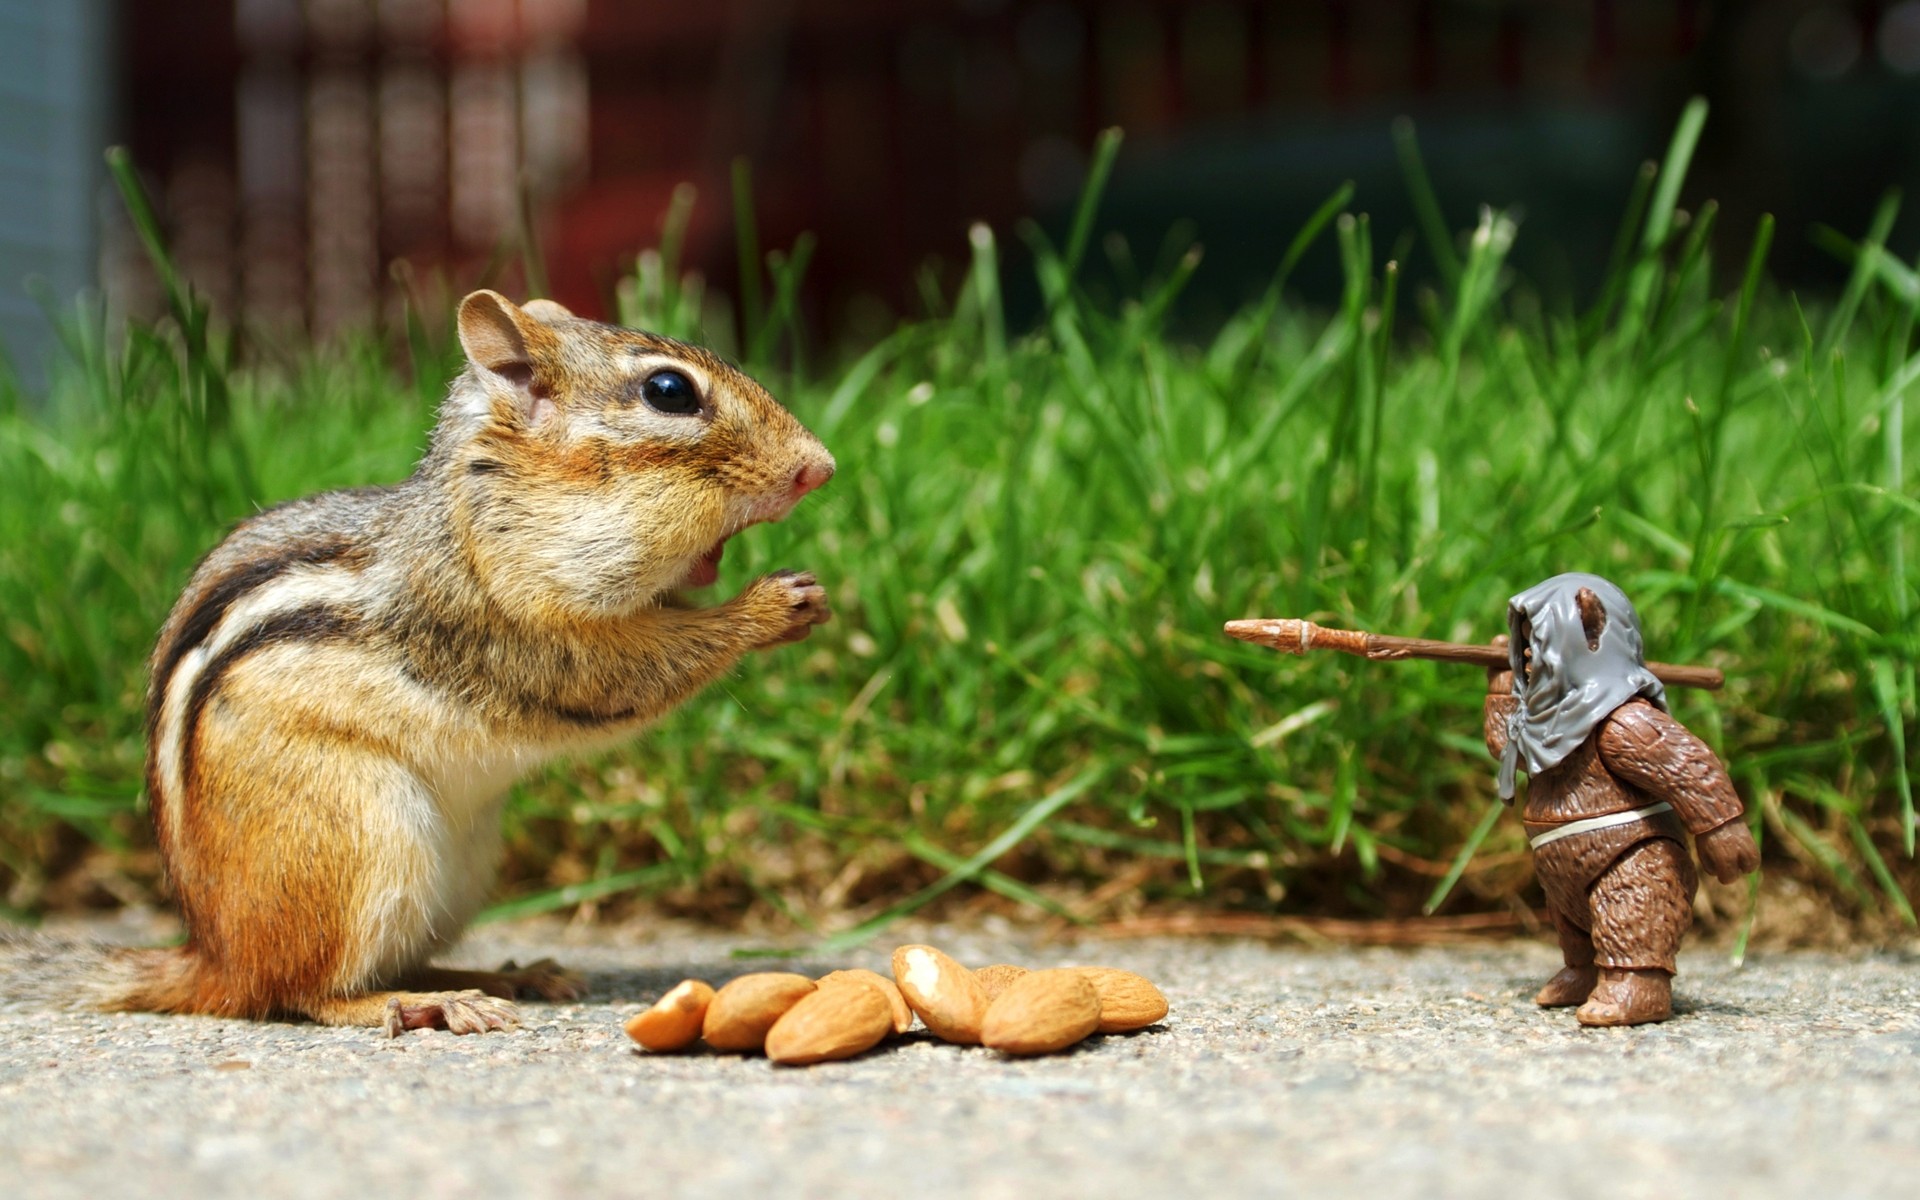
[1254, 339]
[783, 317]
[994, 881]
[1035, 816]
[1673, 173]
[533, 261]
[1889, 886]
[1458, 867]
[1154, 847]
[1866, 267]
[985, 279]
[1106, 148]
[579, 893]
[1647, 272]
[1614, 280]
[1426, 205]
[1886, 693]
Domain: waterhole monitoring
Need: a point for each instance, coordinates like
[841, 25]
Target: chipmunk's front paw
[792, 602]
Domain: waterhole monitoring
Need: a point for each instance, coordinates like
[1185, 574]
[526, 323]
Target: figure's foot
[1623, 997]
[1571, 986]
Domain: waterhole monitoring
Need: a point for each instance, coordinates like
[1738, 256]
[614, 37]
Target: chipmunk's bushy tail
[41, 974]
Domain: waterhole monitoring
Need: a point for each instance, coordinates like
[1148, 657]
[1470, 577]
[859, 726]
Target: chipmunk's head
[598, 467]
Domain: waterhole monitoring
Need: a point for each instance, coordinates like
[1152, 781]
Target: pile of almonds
[796, 1020]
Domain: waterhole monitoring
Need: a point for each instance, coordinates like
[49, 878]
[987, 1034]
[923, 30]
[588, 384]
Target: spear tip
[1278, 634]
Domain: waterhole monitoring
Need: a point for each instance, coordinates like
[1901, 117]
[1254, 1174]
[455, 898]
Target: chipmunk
[351, 682]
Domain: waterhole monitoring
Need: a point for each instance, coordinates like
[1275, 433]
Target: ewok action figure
[1612, 779]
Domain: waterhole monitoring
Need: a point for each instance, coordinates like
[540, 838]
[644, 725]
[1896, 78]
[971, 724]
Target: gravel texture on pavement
[1279, 1071]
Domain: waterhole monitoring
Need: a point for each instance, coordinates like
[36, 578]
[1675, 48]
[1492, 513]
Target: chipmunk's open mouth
[706, 568]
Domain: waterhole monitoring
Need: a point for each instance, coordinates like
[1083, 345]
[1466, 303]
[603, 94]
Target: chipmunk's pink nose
[810, 477]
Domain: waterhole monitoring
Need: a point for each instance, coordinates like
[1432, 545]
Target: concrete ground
[1279, 1071]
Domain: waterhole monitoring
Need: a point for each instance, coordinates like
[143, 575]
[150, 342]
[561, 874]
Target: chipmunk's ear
[547, 311]
[495, 332]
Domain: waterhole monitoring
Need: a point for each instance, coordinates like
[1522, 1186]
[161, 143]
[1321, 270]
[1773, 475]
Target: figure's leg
[1575, 980]
[543, 980]
[1566, 895]
[1642, 905]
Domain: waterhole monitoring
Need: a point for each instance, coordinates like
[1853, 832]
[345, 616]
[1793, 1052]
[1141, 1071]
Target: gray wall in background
[54, 104]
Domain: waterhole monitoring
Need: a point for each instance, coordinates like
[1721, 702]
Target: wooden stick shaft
[1298, 637]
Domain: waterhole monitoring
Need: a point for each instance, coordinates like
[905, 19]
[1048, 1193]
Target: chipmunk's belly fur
[293, 743]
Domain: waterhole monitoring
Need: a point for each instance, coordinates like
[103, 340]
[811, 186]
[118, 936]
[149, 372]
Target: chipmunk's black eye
[669, 391]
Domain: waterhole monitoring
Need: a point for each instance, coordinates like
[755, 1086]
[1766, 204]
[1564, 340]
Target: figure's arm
[1657, 754]
[1500, 705]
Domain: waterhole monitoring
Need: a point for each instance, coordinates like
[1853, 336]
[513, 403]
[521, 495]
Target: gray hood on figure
[1569, 687]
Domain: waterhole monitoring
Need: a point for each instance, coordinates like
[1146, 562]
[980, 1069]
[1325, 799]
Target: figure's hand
[1499, 679]
[1728, 851]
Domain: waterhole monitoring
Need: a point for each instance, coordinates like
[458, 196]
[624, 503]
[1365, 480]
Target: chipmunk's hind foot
[397, 1012]
[543, 980]
[455, 1012]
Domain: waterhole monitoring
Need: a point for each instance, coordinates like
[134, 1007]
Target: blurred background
[1023, 522]
[300, 148]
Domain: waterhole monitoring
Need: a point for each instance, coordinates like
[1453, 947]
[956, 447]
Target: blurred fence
[300, 148]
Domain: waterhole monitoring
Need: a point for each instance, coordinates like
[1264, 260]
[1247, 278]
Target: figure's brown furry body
[349, 683]
[1621, 898]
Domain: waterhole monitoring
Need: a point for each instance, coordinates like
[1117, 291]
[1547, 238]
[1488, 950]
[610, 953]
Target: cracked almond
[945, 994]
[674, 1020]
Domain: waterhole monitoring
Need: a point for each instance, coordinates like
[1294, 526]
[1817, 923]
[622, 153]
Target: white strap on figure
[1591, 823]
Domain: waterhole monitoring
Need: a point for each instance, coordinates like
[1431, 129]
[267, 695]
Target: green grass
[1033, 541]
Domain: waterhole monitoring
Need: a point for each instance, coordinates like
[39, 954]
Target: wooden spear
[1297, 637]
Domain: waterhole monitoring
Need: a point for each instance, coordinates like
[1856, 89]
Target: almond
[675, 1018]
[1127, 1001]
[745, 1008]
[1041, 1012]
[945, 994]
[840, 1020]
[997, 978]
[902, 1015]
